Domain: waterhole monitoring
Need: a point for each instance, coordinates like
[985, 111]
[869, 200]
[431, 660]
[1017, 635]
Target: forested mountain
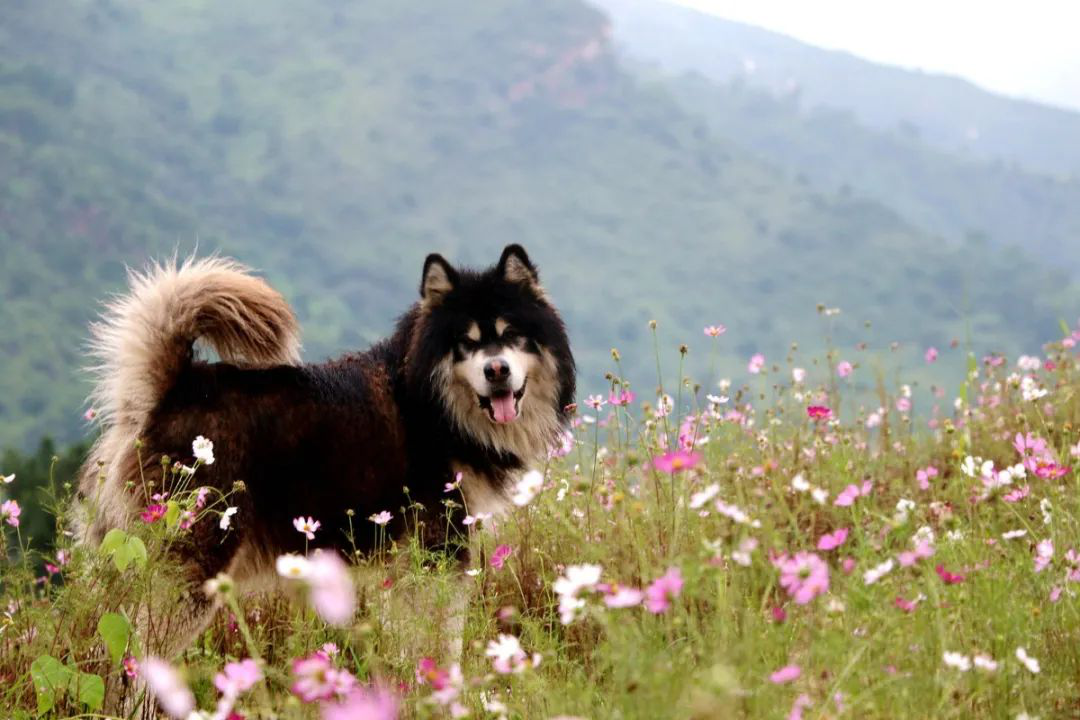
[334, 144]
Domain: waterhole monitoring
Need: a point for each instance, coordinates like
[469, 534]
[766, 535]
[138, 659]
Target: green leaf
[113, 539]
[122, 557]
[172, 513]
[138, 551]
[115, 630]
[91, 690]
[50, 678]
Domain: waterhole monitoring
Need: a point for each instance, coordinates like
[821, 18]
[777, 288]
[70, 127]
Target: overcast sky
[1026, 49]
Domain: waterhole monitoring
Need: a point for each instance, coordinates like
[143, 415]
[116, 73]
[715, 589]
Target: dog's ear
[437, 280]
[515, 266]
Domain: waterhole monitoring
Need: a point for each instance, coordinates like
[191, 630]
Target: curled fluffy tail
[144, 339]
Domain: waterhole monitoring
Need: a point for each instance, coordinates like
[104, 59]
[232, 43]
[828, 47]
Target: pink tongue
[503, 408]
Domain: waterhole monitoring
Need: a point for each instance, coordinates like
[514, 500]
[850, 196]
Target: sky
[1027, 49]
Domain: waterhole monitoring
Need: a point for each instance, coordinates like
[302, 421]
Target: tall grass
[946, 570]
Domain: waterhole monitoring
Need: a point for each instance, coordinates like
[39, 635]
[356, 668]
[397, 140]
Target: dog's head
[495, 352]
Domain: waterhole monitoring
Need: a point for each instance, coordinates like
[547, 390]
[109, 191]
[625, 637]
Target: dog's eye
[509, 334]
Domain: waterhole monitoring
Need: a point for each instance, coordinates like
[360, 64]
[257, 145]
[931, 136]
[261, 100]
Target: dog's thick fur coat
[378, 430]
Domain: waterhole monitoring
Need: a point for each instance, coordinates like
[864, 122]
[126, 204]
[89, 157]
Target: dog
[473, 387]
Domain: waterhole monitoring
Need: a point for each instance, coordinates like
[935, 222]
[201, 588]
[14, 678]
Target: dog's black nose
[496, 370]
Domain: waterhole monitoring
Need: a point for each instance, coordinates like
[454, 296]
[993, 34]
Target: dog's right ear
[437, 280]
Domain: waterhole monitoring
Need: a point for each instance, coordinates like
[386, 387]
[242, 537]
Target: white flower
[204, 450]
[307, 526]
[527, 487]
[873, 419]
[954, 535]
[7, 479]
[985, 662]
[1045, 507]
[1028, 363]
[576, 579]
[472, 572]
[923, 535]
[905, 390]
[736, 514]
[874, 574]
[1029, 662]
[724, 384]
[956, 660]
[508, 657]
[226, 517]
[799, 484]
[1013, 534]
[716, 399]
[819, 495]
[1030, 390]
[380, 518]
[903, 508]
[700, 498]
[294, 567]
[798, 375]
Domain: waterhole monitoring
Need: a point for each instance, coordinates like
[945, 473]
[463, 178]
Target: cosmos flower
[1029, 662]
[957, 660]
[715, 330]
[757, 362]
[331, 588]
[10, 512]
[703, 496]
[1044, 554]
[508, 657]
[622, 398]
[620, 596]
[168, 687]
[595, 402]
[798, 375]
[226, 517]
[318, 679]
[833, 540]
[293, 567]
[877, 572]
[804, 576]
[203, 450]
[131, 666]
[947, 577]
[237, 677]
[576, 579]
[527, 488]
[153, 513]
[659, 594]
[818, 412]
[363, 703]
[786, 674]
[672, 462]
[309, 525]
[7, 479]
[931, 354]
[499, 556]
[844, 368]
[379, 518]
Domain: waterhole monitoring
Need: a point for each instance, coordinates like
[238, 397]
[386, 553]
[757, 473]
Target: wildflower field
[782, 548]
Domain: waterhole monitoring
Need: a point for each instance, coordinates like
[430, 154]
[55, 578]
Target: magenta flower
[833, 540]
[659, 594]
[844, 368]
[363, 704]
[238, 677]
[153, 513]
[498, 558]
[804, 576]
[131, 666]
[818, 412]
[931, 354]
[1048, 469]
[672, 462]
[947, 577]
[786, 674]
[10, 512]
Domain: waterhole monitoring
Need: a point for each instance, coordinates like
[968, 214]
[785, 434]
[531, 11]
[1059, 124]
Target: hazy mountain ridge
[947, 112]
[333, 146]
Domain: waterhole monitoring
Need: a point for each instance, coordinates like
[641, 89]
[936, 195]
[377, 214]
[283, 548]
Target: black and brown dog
[475, 379]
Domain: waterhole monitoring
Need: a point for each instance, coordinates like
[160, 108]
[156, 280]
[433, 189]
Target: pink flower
[317, 679]
[818, 412]
[925, 475]
[498, 558]
[1044, 554]
[906, 605]
[908, 558]
[307, 526]
[786, 674]
[849, 494]
[833, 540]
[331, 588]
[595, 401]
[363, 704]
[715, 330]
[10, 512]
[1017, 495]
[131, 666]
[618, 596]
[801, 703]
[844, 368]
[153, 513]
[1048, 469]
[238, 677]
[931, 354]
[673, 462]
[903, 404]
[947, 577]
[429, 673]
[804, 576]
[167, 686]
[90, 414]
[659, 594]
[757, 362]
[624, 397]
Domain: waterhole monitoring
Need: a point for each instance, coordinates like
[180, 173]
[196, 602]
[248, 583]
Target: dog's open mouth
[503, 407]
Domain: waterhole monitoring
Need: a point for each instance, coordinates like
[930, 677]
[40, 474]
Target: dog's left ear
[515, 266]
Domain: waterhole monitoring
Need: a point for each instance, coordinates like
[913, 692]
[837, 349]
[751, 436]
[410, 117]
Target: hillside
[947, 112]
[333, 146]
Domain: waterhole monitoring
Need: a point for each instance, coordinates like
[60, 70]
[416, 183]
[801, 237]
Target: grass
[863, 649]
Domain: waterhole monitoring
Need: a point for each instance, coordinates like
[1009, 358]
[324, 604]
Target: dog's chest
[485, 492]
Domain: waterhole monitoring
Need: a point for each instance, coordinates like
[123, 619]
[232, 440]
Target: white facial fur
[471, 368]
